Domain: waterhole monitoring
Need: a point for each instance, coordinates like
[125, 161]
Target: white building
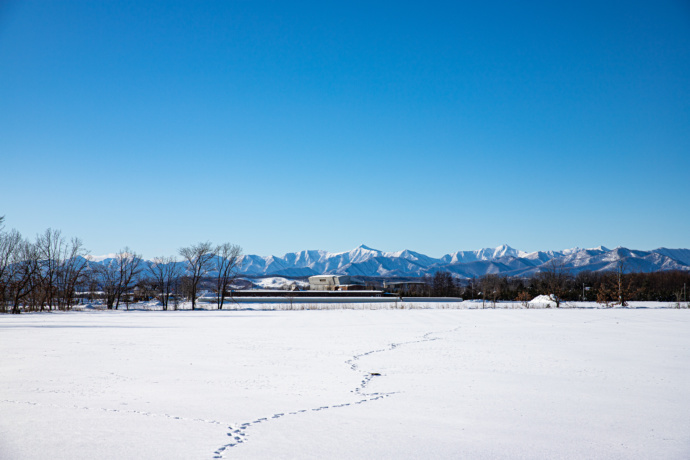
[328, 282]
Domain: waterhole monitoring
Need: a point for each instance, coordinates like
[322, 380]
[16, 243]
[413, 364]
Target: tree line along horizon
[609, 288]
[49, 273]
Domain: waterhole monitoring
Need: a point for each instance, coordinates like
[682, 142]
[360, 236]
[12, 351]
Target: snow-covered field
[343, 384]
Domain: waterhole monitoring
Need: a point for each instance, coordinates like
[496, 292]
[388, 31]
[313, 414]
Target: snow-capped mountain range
[365, 261]
[504, 260]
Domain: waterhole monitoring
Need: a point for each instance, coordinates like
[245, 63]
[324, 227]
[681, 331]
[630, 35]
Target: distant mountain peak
[503, 260]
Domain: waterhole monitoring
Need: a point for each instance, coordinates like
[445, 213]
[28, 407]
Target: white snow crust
[346, 384]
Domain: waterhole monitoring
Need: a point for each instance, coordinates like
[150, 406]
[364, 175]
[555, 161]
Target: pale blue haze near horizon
[282, 126]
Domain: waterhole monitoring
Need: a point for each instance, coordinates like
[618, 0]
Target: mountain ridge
[502, 260]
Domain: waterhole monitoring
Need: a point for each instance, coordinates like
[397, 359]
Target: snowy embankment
[376, 303]
[343, 384]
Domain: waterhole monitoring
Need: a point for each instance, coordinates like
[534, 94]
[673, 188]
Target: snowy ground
[453, 383]
[374, 303]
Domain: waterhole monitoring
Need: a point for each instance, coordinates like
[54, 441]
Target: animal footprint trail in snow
[239, 434]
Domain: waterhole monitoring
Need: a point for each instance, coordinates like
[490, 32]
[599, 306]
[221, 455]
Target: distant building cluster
[334, 283]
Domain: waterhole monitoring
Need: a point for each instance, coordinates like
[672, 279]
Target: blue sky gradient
[281, 126]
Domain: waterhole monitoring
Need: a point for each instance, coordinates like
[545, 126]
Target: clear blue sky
[281, 126]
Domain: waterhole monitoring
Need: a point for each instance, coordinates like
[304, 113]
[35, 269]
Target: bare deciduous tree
[226, 264]
[118, 275]
[166, 273]
[72, 272]
[128, 264]
[50, 250]
[554, 280]
[24, 266]
[198, 258]
[492, 287]
[107, 274]
[61, 268]
[9, 245]
[616, 288]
